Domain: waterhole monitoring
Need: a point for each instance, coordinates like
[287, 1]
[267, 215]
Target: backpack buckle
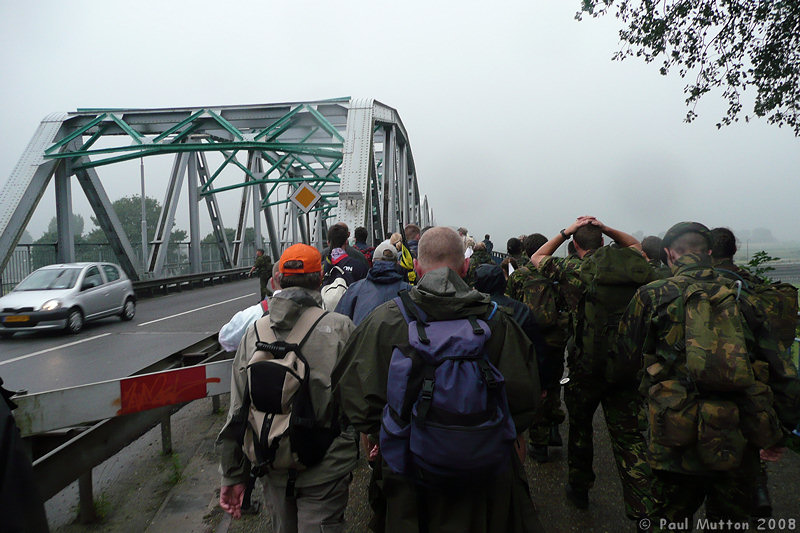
[488, 375]
[427, 389]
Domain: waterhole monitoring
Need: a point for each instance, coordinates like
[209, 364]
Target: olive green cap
[686, 227]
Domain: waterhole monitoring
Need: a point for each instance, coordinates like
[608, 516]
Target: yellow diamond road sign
[305, 197]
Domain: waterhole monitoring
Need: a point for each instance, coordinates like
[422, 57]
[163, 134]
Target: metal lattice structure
[355, 153]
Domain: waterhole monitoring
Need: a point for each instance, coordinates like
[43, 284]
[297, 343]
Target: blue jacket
[384, 280]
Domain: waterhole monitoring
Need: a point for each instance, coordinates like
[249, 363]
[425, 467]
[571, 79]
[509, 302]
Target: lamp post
[144, 220]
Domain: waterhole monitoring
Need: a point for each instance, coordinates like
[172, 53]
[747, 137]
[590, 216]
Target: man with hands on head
[588, 385]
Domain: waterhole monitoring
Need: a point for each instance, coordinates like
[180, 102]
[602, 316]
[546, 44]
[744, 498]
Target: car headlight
[51, 305]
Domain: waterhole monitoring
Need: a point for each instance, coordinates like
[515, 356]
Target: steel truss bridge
[354, 152]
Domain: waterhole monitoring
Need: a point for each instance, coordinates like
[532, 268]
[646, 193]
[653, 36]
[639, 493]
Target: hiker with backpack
[283, 423]
[339, 268]
[443, 382]
[361, 244]
[606, 277]
[542, 297]
[384, 280]
[717, 387]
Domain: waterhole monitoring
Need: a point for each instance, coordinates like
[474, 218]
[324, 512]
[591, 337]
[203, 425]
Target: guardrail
[150, 287]
[79, 449]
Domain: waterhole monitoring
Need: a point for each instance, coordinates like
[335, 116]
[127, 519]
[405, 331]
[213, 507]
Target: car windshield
[50, 279]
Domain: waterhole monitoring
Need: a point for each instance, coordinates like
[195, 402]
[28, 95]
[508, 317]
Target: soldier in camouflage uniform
[263, 267]
[541, 295]
[652, 249]
[514, 250]
[697, 435]
[585, 391]
[722, 251]
[479, 257]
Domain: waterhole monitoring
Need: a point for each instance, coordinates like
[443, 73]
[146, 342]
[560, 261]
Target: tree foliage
[129, 212]
[757, 265]
[727, 45]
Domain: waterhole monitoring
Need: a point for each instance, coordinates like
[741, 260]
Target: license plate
[16, 318]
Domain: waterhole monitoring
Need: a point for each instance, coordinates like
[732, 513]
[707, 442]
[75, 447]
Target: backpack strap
[742, 282]
[412, 313]
[294, 340]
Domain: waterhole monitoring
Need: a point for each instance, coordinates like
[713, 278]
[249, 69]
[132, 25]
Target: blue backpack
[446, 419]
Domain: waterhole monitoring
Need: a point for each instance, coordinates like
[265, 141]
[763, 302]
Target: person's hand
[581, 221]
[772, 454]
[374, 452]
[520, 448]
[230, 499]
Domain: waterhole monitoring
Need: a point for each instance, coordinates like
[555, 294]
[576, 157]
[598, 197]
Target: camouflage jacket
[652, 328]
[567, 272]
[542, 296]
[659, 269]
[728, 269]
[263, 266]
[521, 259]
[481, 257]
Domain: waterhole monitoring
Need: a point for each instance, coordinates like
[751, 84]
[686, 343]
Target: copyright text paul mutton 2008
[704, 524]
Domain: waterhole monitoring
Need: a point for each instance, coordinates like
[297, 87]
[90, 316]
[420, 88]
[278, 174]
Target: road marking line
[54, 348]
[197, 309]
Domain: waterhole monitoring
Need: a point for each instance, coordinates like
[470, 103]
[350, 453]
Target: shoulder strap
[297, 336]
[412, 313]
[409, 308]
[738, 276]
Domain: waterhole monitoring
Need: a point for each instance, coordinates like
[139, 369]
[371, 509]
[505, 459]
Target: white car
[65, 297]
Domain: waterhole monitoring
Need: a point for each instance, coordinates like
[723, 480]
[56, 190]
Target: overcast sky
[518, 119]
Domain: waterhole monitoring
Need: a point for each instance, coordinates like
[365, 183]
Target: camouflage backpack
[778, 302]
[716, 352]
[610, 277]
[540, 295]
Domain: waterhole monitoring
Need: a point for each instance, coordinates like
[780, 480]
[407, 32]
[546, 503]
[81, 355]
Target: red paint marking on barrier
[165, 388]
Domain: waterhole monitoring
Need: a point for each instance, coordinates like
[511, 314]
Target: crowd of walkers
[445, 366]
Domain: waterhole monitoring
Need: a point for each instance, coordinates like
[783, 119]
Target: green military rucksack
[724, 395]
[716, 351]
[610, 276]
[540, 294]
[778, 301]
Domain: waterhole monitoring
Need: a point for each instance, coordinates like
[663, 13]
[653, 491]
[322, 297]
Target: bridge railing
[28, 257]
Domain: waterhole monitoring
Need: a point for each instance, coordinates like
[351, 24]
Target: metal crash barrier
[127, 408]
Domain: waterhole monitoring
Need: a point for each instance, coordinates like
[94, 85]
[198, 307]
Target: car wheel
[74, 321]
[128, 310]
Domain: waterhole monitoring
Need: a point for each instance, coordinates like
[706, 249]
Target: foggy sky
[518, 119]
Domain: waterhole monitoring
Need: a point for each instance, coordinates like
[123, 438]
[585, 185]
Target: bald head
[441, 247]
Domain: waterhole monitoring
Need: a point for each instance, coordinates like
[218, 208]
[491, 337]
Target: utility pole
[144, 220]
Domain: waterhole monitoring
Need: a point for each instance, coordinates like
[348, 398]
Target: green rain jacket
[360, 384]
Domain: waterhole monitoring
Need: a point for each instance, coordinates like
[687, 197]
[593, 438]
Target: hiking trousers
[582, 396]
[727, 495]
[315, 509]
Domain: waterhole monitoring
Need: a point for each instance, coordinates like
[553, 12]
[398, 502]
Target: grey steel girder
[355, 152]
[160, 244]
[21, 193]
[214, 213]
[65, 251]
[109, 222]
[359, 168]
